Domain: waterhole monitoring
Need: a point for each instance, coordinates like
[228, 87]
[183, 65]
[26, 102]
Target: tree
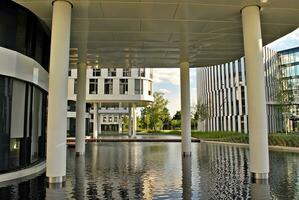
[177, 116]
[201, 112]
[284, 96]
[156, 116]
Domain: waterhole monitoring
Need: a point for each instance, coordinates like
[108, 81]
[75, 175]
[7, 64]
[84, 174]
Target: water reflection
[260, 191]
[79, 189]
[55, 193]
[186, 178]
[157, 171]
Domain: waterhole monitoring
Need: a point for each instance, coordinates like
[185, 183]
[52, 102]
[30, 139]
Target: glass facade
[22, 104]
[289, 76]
[22, 31]
[23, 124]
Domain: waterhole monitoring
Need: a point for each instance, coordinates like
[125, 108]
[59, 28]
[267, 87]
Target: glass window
[123, 86]
[93, 86]
[127, 72]
[5, 105]
[141, 72]
[111, 71]
[110, 119]
[104, 119]
[70, 72]
[151, 74]
[108, 87]
[150, 88]
[138, 86]
[115, 119]
[96, 72]
[75, 86]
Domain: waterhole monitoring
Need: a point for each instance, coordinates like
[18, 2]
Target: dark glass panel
[5, 110]
[22, 31]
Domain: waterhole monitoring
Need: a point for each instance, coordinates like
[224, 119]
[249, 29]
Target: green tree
[156, 116]
[284, 96]
[177, 116]
[201, 112]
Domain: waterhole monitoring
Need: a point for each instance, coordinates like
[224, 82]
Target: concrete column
[80, 109]
[257, 117]
[95, 120]
[58, 86]
[99, 124]
[185, 109]
[130, 122]
[120, 127]
[134, 121]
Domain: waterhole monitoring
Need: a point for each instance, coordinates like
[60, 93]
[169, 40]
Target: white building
[112, 94]
[223, 89]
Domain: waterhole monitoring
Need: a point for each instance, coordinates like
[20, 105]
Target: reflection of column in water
[260, 190]
[55, 193]
[186, 177]
[79, 177]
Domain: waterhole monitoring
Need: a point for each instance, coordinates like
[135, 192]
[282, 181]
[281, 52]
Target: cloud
[288, 41]
[163, 90]
[171, 75]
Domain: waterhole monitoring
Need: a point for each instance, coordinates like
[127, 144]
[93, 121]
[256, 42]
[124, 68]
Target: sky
[167, 80]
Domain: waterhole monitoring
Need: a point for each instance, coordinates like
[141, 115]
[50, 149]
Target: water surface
[157, 171]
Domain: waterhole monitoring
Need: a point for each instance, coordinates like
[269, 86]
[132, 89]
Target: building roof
[158, 33]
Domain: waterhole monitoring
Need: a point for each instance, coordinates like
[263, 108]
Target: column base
[186, 154]
[80, 153]
[259, 176]
[56, 179]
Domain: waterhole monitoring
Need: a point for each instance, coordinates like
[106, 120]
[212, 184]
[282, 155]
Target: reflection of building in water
[227, 172]
[224, 89]
[285, 175]
[111, 94]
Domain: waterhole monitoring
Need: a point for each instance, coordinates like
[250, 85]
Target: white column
[258, 134]
[120, 127]
[95, 120]
[80, 109]
[99, 124]
[185, 109]
[58, 80]
[130, 122]
[134, 121]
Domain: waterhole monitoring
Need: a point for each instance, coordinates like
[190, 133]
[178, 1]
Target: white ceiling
[158, 33]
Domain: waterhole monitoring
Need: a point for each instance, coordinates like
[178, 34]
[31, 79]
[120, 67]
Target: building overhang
[161, 33]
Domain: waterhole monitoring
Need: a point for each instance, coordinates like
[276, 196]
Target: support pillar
[257, 116]
[58, 86]
[80, 109]
[130, 122]
[99, 124]
[95, 120]
[134, 121]
[120, 126]
[185, 109]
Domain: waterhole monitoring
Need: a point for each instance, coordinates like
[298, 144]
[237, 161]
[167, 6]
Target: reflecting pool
[157, 171]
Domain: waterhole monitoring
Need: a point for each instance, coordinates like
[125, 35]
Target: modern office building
[289, 76]
[223, 89]
[24, 59]
[112, 94]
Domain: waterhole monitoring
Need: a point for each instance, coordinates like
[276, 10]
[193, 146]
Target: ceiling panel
[157, 33]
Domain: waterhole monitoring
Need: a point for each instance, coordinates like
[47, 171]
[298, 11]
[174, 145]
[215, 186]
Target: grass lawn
[277, 139]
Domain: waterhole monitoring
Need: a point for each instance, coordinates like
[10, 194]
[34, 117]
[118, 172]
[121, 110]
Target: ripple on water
[157, 171]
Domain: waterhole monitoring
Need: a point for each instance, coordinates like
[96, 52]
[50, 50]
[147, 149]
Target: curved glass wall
[22, 104]
[22, 31]
[23, 122]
